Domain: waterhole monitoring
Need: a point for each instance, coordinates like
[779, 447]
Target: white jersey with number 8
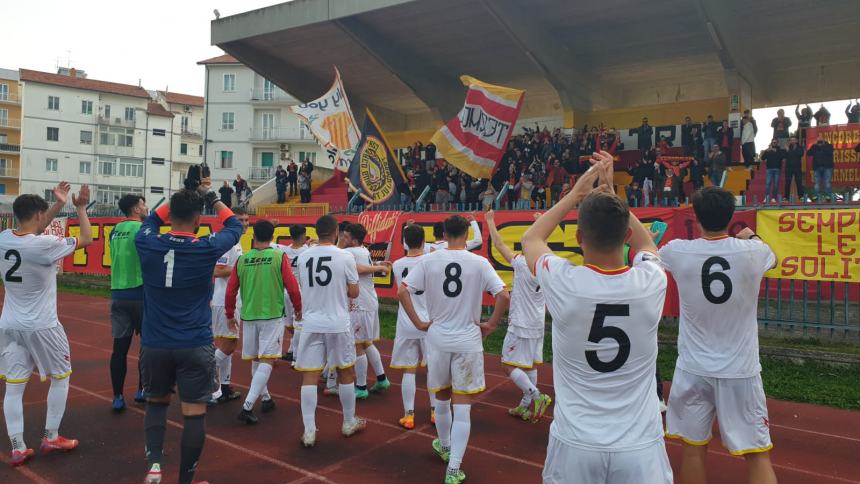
[604, 342]
[324, 272]
[454, 282]
[718, 284]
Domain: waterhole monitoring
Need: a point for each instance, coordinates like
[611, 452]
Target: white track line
[25, 471]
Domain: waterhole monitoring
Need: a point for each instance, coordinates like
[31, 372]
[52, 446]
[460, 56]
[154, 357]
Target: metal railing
[189, 132]
[799, 308]
[8, 172]
[279, 134]
[116, 121]
[10, 123]
[10, 148]
[262, 172]
[10, 97]
[271, 96]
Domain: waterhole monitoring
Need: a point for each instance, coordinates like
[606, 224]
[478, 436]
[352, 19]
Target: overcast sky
[157, 42]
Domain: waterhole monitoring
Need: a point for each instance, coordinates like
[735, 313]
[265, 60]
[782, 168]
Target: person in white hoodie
[748, 132]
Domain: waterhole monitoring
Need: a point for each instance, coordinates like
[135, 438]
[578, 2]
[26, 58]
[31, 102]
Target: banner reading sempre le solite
[816, 245]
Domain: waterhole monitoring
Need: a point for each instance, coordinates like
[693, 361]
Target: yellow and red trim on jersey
[437, 390]
[608, 272]
[468, 392]
[719, 237]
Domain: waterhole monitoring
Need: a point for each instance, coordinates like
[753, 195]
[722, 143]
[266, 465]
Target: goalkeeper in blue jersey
[176, 337]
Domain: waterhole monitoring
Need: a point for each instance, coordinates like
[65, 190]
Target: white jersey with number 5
[454, 282]
[718, 284]
[28, 265]
[324, 272]
[604, 342]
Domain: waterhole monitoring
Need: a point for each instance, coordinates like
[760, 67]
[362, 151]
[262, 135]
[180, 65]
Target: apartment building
[249, 129]
[118, 138]
[186, 138]
[10, 131]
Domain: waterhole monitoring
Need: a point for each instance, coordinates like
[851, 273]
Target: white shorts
[220, 328]
[739, 405]
[45, 350]
[408, 353]
[365, 326]
[289, 313]
[319, 350]
[566, 463]
[263, 339]
[463, 373]
[522, 352]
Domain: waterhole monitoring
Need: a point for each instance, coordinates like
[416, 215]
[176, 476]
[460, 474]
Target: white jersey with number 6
[454, 282]
[28, 265]
[718, 284]
[604, 342]
[324, 272]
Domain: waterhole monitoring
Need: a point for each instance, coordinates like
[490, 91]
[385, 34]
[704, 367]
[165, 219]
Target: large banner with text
[846, 160]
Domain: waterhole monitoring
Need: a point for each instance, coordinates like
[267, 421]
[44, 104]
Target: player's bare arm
[223, 271]
[500, 307]
[641, 239]
[352, 290]
[498, 243]
[405, 298]
[382, 268]
[534, 240]
[80, 202]
[61, 197]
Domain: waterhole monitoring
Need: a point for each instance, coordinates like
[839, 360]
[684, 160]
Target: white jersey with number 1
[718, 284]
[604, 342]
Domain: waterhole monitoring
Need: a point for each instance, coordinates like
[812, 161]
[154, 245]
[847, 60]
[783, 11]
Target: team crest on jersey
[376, 179]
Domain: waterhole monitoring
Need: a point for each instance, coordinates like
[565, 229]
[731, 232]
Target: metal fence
[817, 309]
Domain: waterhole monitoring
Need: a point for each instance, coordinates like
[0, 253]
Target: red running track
[813, 444]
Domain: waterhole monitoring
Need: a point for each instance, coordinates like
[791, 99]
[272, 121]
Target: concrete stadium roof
[402, 58]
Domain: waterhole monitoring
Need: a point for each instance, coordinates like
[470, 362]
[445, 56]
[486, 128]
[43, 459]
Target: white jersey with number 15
[324, 272]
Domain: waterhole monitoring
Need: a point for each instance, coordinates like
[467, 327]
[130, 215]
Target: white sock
[265, 393]
[459, 434]
[261, 377]
[346, 392]
[407, 391]
[309, 407]
[532, 376]
[223, 373]
[443, 422]
[432, 400]
[361, 371]
[58, 393]
[375, 360]
[292, 347]
[13, 410]
[522, 381]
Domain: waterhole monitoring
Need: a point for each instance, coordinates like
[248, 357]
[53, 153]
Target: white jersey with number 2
[604, 342]
[718, 284]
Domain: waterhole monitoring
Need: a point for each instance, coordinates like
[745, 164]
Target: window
[4, 92]
[307, 156]
[106, 137]
[131, 167]
[156, 189]
[2, 188]
[268, 90]
[184, 123]
[157, 161]
[4, 117]
[85, 167]
[51, 165]
[4, 167]
[86, 107]
[199, 150]
[229, 82]
[4, 138]
[227, 121]
[53, 134]
[86, 137]
[49, 196]
[183, 149]
[110, 194]
[125, 138]
[107, 166]
[158, 132]
[129, 114]
[107, 111]
[54, 103]
[226, 160]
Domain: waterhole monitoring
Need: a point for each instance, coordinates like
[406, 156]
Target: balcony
[10, 123]
[191, 134]
[10, 98]
[8, 173]
[261, 173]
[115, 121]
[272, 97]
[280, 134]
[10, 148]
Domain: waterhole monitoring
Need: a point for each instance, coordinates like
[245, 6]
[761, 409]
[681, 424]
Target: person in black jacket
[709, 131]
[687, 137]
[804, 120]
[822, 165]
[226, 194]
[773, 157]
[853, 112]
[793, 170]
[645, 136]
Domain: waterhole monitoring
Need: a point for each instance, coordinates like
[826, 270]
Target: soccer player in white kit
[327, 279]
[522, 349]
[607, 425]
[410, 350]
[297, 245]
[440, 242]
[364, 313]
[31, 336]
[718, 371]
[454, 281]
[226, 338]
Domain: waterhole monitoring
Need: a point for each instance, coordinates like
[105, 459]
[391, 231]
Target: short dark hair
[326, 226]
[341, 227]
[438, 230]
[603, 221]
[128, 202]
[185, 205]
[413, 235]
[264, 230]
[714, 208]
[456, 226]
[296, 230]
[26, 206]
[357, 232]
[239, 211]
